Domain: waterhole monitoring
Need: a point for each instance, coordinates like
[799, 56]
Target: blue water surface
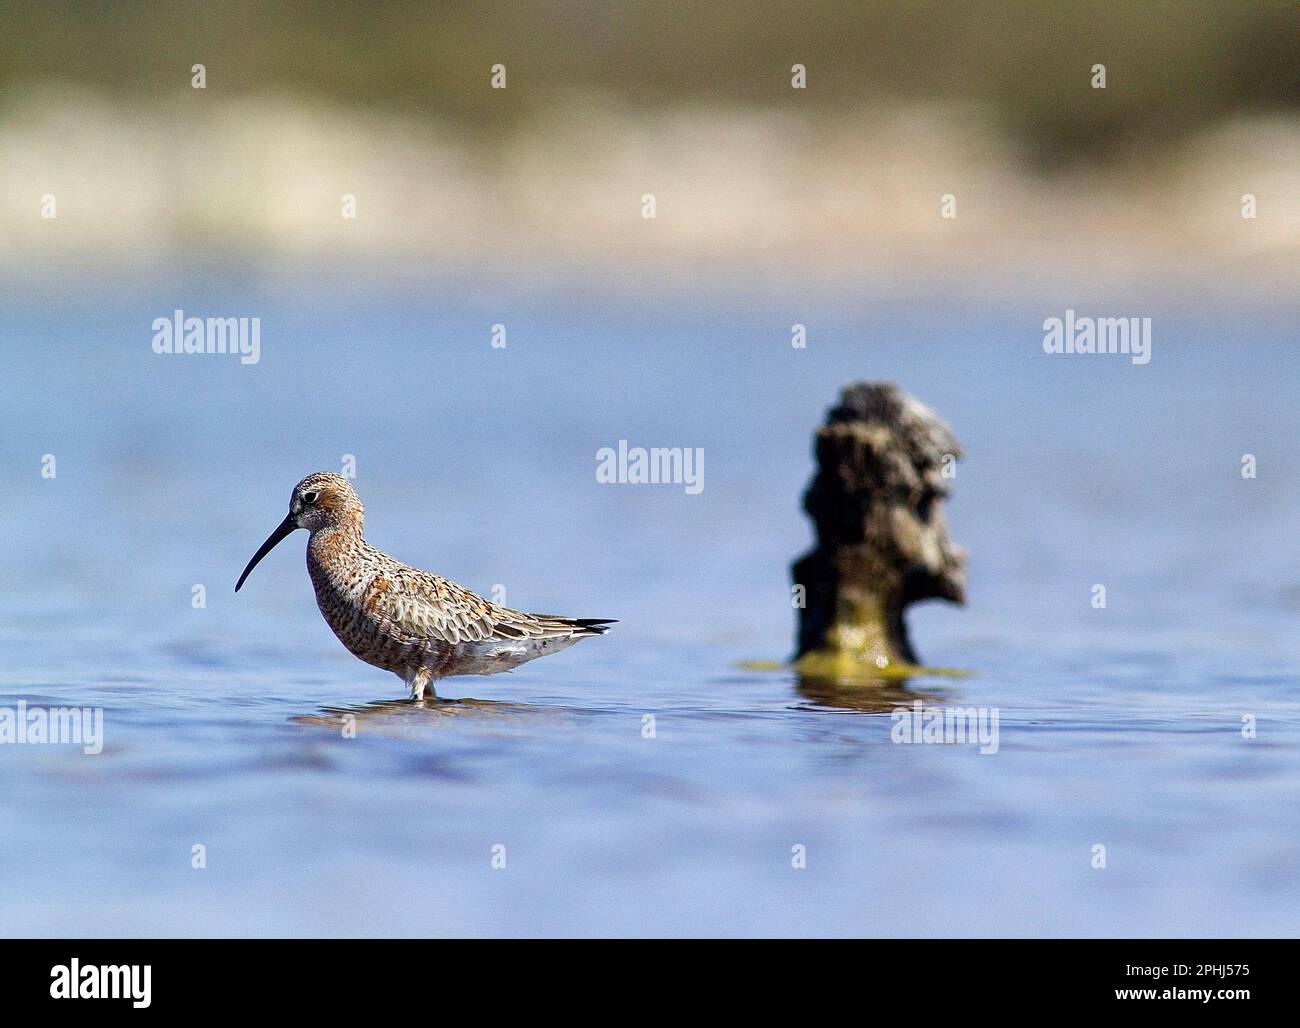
[1120, 727]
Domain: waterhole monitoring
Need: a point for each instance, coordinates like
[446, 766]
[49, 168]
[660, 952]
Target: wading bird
[399, 618]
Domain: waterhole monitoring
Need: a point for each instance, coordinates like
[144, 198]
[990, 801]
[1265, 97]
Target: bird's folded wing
[427, 607]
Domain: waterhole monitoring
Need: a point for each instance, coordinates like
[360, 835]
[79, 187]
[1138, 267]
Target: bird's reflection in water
[401, 717]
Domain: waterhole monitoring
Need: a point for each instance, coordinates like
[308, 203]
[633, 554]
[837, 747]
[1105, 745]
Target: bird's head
[322, 500]
[325, 500]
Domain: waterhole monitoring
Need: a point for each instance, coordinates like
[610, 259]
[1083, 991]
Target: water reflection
[400, 717]
[878, 696]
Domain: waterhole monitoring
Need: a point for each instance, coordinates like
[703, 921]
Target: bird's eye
[309, 497]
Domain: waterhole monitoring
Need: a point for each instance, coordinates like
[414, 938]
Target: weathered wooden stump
[884, 465]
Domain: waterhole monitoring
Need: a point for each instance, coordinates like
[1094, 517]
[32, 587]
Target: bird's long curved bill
[286, 527]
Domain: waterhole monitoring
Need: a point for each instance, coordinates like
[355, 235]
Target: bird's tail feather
[583, 626]
[593, 626]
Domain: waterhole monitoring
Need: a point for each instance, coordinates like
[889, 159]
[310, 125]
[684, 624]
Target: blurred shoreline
[757, 198]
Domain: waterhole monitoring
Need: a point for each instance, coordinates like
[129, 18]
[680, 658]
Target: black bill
[286, 526]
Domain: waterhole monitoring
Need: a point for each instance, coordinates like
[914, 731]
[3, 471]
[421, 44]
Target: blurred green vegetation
[1172, 65]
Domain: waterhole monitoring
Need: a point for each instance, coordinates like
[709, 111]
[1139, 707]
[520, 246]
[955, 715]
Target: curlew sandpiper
[419, 626]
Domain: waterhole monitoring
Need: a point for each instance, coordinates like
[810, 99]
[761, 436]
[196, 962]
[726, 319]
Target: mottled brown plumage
[419, 626]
